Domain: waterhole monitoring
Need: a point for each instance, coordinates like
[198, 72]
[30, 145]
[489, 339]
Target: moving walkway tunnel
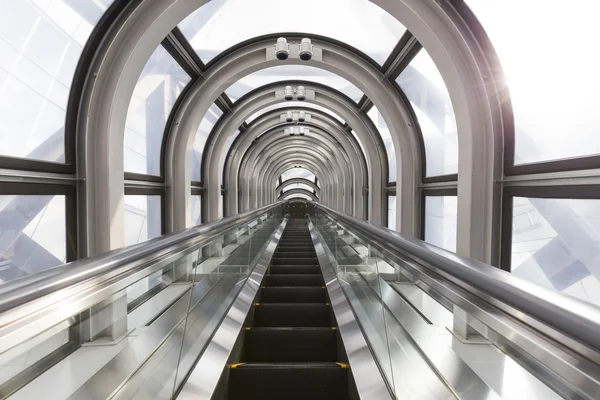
[362, 199]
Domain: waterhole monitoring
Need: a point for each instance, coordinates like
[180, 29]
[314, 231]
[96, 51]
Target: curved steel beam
[329, 141]
[324, 96]
[292, 192]
[260, 54]
[275, 142]
[293, 154]
[294, 181]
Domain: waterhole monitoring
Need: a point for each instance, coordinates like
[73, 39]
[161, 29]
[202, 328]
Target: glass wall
[143, 218]
[440, 221]
[384, 131]
[156, 91]
[391, 212]
[298, 186]
[556, 244]
[297, 173]
[40, 46]
[208, 122]
[216, 26]
[424, 87]
[292, 72]
[551, 71]
[32, 234]
[196, 216]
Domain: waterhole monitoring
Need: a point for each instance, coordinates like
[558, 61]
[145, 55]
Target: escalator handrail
[576, 318]
[29, 288]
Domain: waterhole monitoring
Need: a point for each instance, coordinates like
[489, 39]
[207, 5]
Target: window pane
[359, 23]
[298, 196]
[556, 243]
[155, 93]
[143, 218]
[32, 234]
[196, 210]
[292, 72]
[391, 223]
[297, 173]
[555, 98]
[381, 126]
[298, 186]
[440, 221]
[294, 104]
[425, 89]
[208, 122]
[40, 45]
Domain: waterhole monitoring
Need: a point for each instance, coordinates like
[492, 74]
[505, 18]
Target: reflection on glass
[555, 99]
[143, 219]
[440, 221]
[297, 173]
[292, 72]
[425, 89]
[384, 131]
[40, 45]
[298, 186]
[32, 234]
[555, 243]
[294, 104]
[391, 222]
[208, 122]
[156, 91]
[215, 27]
[196, 216]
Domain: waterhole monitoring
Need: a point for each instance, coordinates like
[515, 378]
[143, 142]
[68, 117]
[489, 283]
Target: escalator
[291, 346]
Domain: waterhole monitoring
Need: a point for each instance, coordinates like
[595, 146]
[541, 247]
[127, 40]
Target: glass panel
[298, 186]
[296, 173]
[440, 221]
[294, 104]
[425, 89]
[362, 148]
[359, 23]
[156, 91]
[555, 244]
[40, 45]
[391, 222]
[32, 234]
[555, 98]
[196, 210]
[299, 196]
[381, 126]
[292, 72]
[143, 219]
[208, 122]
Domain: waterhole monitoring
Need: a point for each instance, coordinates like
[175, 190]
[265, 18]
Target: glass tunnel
[332, 199]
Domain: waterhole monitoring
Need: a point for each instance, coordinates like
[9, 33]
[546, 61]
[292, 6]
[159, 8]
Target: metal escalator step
[298, 344]
[293, 294]
[290, 381]
[294, 260]
[292, 315]
[294, 280]
[295, 269]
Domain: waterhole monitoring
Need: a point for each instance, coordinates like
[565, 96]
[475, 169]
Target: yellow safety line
[343, 365]
[247, 328]
[232, 366]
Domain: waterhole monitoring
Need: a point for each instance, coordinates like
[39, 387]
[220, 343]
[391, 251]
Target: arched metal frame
[259, 55]
[294, 181]
[279, 148]
[324, 96]
[292, 192]
[321, 124]
[453, 47]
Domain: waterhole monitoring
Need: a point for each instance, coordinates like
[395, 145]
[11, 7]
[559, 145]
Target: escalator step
[293, 294]
[294, 280]
[295, 269]
[292, 315]
[290, 345]
[294, 261]
[290, 381]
